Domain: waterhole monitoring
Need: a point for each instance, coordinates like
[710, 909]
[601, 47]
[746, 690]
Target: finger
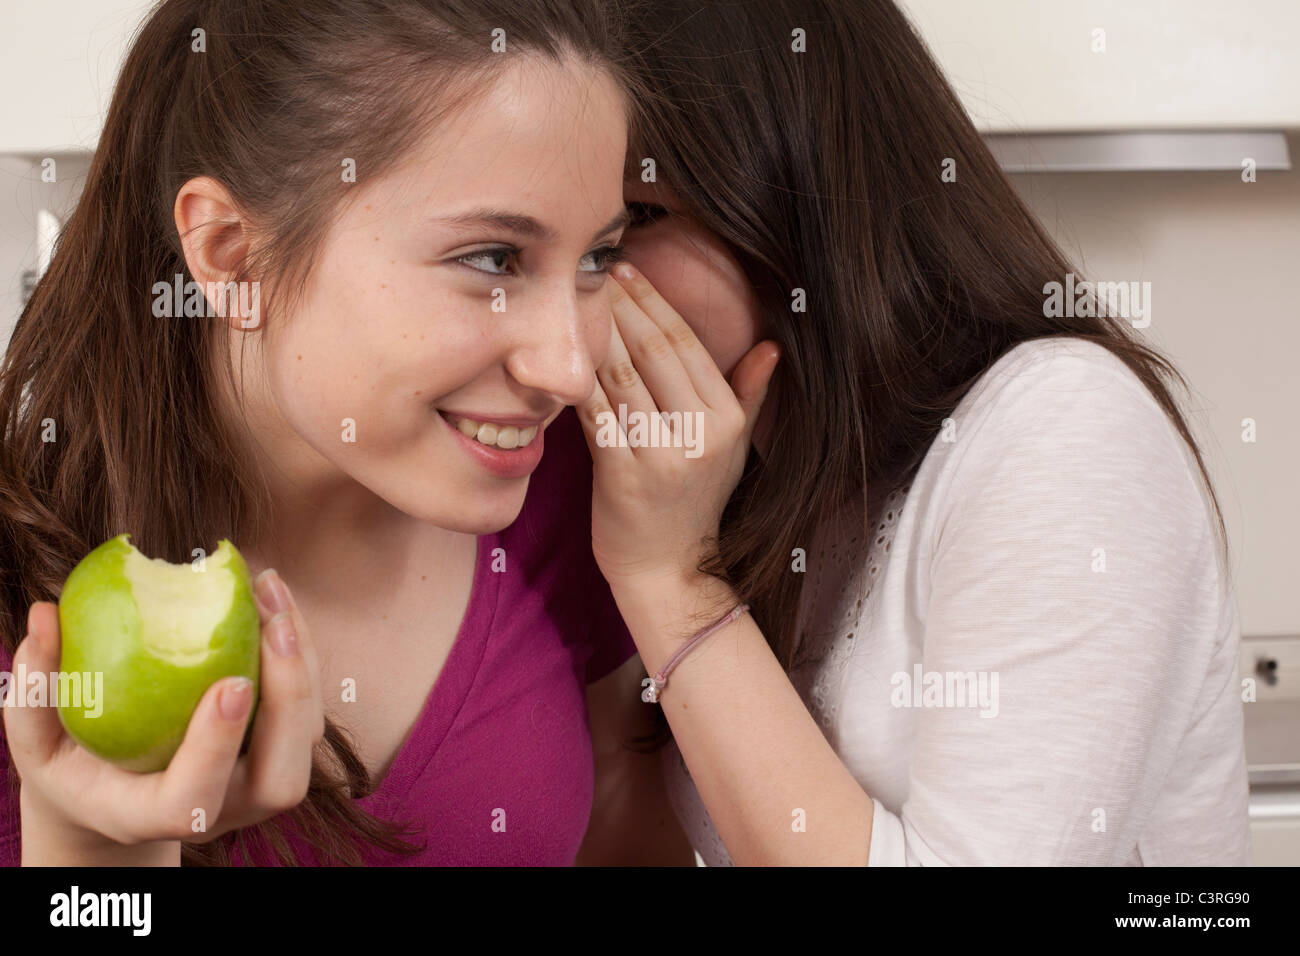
[708, 381]
[654, 357]
[34, 733]
[199, 774]
[600, 425]
[619, 377]
[750, 380]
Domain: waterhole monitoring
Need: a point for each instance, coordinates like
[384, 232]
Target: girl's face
[459, 294]
[697, 275]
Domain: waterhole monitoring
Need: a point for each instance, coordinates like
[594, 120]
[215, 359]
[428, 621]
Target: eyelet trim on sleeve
[851, 612]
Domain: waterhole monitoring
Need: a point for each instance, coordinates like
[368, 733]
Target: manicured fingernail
[281, 634]
[624, 270]
[273, 590]
[236, 696]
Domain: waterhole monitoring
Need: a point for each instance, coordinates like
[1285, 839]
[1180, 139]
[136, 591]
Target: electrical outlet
[1274, 663]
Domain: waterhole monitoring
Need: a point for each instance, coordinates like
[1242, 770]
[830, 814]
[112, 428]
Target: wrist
[662, 611]
[50, 839]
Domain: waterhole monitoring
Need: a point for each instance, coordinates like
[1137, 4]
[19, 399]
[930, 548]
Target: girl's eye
[497, 260]
[603, 258]
[644, 213]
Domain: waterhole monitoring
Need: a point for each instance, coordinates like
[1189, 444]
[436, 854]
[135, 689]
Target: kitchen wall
[1223, 260]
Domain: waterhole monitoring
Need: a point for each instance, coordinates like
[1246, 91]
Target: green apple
[161, 634]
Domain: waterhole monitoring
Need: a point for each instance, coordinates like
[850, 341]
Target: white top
[1034, 660]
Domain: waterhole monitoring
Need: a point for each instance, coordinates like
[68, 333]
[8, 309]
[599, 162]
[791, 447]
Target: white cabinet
[1036, 65]
[1040, 65]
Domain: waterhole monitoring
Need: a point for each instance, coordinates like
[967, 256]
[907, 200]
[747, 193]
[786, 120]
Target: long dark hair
[279, 94]
[822, 171]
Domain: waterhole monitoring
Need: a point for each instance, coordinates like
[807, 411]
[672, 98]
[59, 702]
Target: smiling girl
[429, 195]
[963, 600]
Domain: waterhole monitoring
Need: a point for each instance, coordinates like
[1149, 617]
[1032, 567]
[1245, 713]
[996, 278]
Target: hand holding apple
[77, 806]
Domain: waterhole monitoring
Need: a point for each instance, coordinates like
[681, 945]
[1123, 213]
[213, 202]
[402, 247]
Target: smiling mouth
[504, 437]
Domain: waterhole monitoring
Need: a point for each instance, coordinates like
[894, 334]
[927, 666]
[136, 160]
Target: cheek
[378, 336]
[304, 374]
[325, 352]
[711, 295]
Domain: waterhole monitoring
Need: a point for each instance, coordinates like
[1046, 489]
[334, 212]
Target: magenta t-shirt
[497, 769]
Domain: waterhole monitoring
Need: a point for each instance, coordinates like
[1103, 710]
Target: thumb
[34, 733]
[751, 377]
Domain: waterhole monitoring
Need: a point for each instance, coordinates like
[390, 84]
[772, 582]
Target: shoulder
[1061, 400]
[1060, 439]
[1062, 375]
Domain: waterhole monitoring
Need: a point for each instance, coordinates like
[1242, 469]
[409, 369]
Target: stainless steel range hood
[1128, 151]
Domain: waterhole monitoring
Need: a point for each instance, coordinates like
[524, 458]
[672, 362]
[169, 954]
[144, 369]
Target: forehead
[549, 134]
[534, 98]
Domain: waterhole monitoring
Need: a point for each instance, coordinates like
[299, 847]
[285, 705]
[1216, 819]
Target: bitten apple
[161, 634]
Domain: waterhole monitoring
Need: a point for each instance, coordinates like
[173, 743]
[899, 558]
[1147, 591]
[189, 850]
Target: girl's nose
[556, 350]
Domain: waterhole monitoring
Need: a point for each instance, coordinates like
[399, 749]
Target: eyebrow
[522, 225]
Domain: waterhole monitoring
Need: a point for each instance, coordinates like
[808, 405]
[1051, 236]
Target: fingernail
[275, 593]
[236, 696]
[624, 270]
[281, 635]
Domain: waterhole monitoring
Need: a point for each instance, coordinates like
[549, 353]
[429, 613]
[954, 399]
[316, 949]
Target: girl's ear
[215, 239]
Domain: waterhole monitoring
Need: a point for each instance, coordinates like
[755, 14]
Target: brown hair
[821, 170]
[283, 92]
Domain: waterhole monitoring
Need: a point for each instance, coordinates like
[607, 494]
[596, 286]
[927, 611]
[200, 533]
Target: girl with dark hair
[424, 197]
[971, 588]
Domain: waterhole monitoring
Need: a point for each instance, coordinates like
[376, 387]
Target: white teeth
[506, 437]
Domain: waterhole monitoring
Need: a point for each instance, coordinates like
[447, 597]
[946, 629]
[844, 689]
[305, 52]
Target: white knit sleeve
[1073, 571]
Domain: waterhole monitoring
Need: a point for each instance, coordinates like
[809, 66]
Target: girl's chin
[486, 512]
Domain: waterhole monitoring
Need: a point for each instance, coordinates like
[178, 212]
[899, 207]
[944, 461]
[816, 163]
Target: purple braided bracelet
[654, 685]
